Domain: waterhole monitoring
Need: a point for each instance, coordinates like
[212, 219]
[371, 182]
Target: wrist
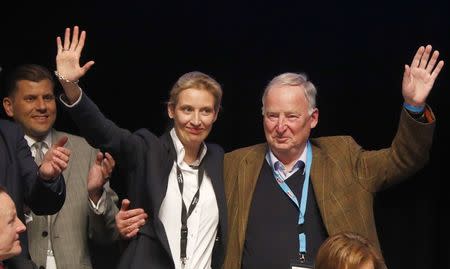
[417, 109]
[63, 79]
[95, 195]
[44, 177]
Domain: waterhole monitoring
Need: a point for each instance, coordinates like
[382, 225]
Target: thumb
[125, 205]
[407, 72]
[62, 141]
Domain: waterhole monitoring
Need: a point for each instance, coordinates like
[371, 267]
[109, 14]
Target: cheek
[268, 126]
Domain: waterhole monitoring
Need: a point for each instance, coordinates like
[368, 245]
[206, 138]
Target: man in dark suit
[42, 188]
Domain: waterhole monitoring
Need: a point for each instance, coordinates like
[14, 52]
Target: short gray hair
[294, 79]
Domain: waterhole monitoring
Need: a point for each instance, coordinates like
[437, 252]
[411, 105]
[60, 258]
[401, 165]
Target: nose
[196, 119]
[20, 226]
[281, 124]
[40, 104]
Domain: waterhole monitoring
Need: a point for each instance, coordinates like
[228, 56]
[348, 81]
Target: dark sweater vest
[271, 239]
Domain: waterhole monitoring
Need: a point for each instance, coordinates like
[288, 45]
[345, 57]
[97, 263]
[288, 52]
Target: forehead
[7, 206]
[286, 98]
[44, 86]
[196, 97]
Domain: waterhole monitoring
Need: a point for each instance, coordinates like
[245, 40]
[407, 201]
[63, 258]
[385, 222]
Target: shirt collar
[47, 140]
[179, 148]
[277, 165]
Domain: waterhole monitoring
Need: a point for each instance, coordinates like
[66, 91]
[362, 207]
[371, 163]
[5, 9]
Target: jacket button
[44, 234]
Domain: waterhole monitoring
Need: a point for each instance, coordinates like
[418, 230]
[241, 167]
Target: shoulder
[75, 140]
[255, 150]
[332, 144]
[215, 148]
[10, 130]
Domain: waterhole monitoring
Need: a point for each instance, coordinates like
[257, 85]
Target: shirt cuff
[100, 207]
[54, 184]
[62, 98]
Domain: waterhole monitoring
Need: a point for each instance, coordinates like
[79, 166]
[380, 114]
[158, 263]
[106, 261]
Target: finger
[59, 163]
[99, 158]
[59, 154]
[87, 66]
[81, 41]
[132, 234]
[67, 39]
[107, 168]
[125, 205]
[61, 142]
[137, 212]
[437, 70]
[110, 158]
[425, 56]
[137, 221]
[406, 73]
[432, 61]
[59, 44]
[109, 163]
[56, 168]
[416, 60]
[74, 42]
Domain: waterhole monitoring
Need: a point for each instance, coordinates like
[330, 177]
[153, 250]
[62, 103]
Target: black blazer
[146, 161]
[19, 176]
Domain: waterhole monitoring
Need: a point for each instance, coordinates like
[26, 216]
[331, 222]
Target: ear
[314, 119]
[8, 106]
[171, 110]
[216, 114]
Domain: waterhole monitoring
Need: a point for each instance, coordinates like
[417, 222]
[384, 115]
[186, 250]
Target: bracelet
[62, 78]
[414, 109]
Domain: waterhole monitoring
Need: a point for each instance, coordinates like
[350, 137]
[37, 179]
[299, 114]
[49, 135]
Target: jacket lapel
[167, 164]
[247, 177]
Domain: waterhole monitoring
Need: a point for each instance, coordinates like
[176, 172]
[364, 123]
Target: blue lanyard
[291, 195]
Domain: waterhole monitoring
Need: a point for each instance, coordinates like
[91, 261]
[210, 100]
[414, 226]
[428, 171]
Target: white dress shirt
[202, 223]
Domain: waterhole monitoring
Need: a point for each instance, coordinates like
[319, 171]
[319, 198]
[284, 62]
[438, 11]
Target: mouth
[194, 131]
[40, 118]
[281, 139]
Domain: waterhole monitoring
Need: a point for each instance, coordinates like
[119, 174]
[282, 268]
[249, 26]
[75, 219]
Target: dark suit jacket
[345, 179]
[19, 175]
[146, 161]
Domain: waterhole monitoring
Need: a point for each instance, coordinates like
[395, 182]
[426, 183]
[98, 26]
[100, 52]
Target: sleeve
[42, 197]
[102, 227]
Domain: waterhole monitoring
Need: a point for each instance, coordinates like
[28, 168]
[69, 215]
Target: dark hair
[31, 72]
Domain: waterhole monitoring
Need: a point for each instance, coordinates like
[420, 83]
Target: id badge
[298, 265]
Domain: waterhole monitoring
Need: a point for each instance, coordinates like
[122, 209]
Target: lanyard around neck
[184, 212]
[302, 206]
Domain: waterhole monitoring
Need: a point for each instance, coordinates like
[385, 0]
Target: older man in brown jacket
[286, 196]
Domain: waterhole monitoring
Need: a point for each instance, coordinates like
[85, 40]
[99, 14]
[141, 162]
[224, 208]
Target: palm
[418, 84]
[418, 79]
[68, 56]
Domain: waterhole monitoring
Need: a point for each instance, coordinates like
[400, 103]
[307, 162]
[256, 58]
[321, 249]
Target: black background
[354, 52]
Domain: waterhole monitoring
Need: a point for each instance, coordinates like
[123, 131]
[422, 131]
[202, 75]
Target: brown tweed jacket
[344, 176]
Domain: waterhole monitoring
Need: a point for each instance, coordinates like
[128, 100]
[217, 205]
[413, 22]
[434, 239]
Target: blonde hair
[196, 80]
